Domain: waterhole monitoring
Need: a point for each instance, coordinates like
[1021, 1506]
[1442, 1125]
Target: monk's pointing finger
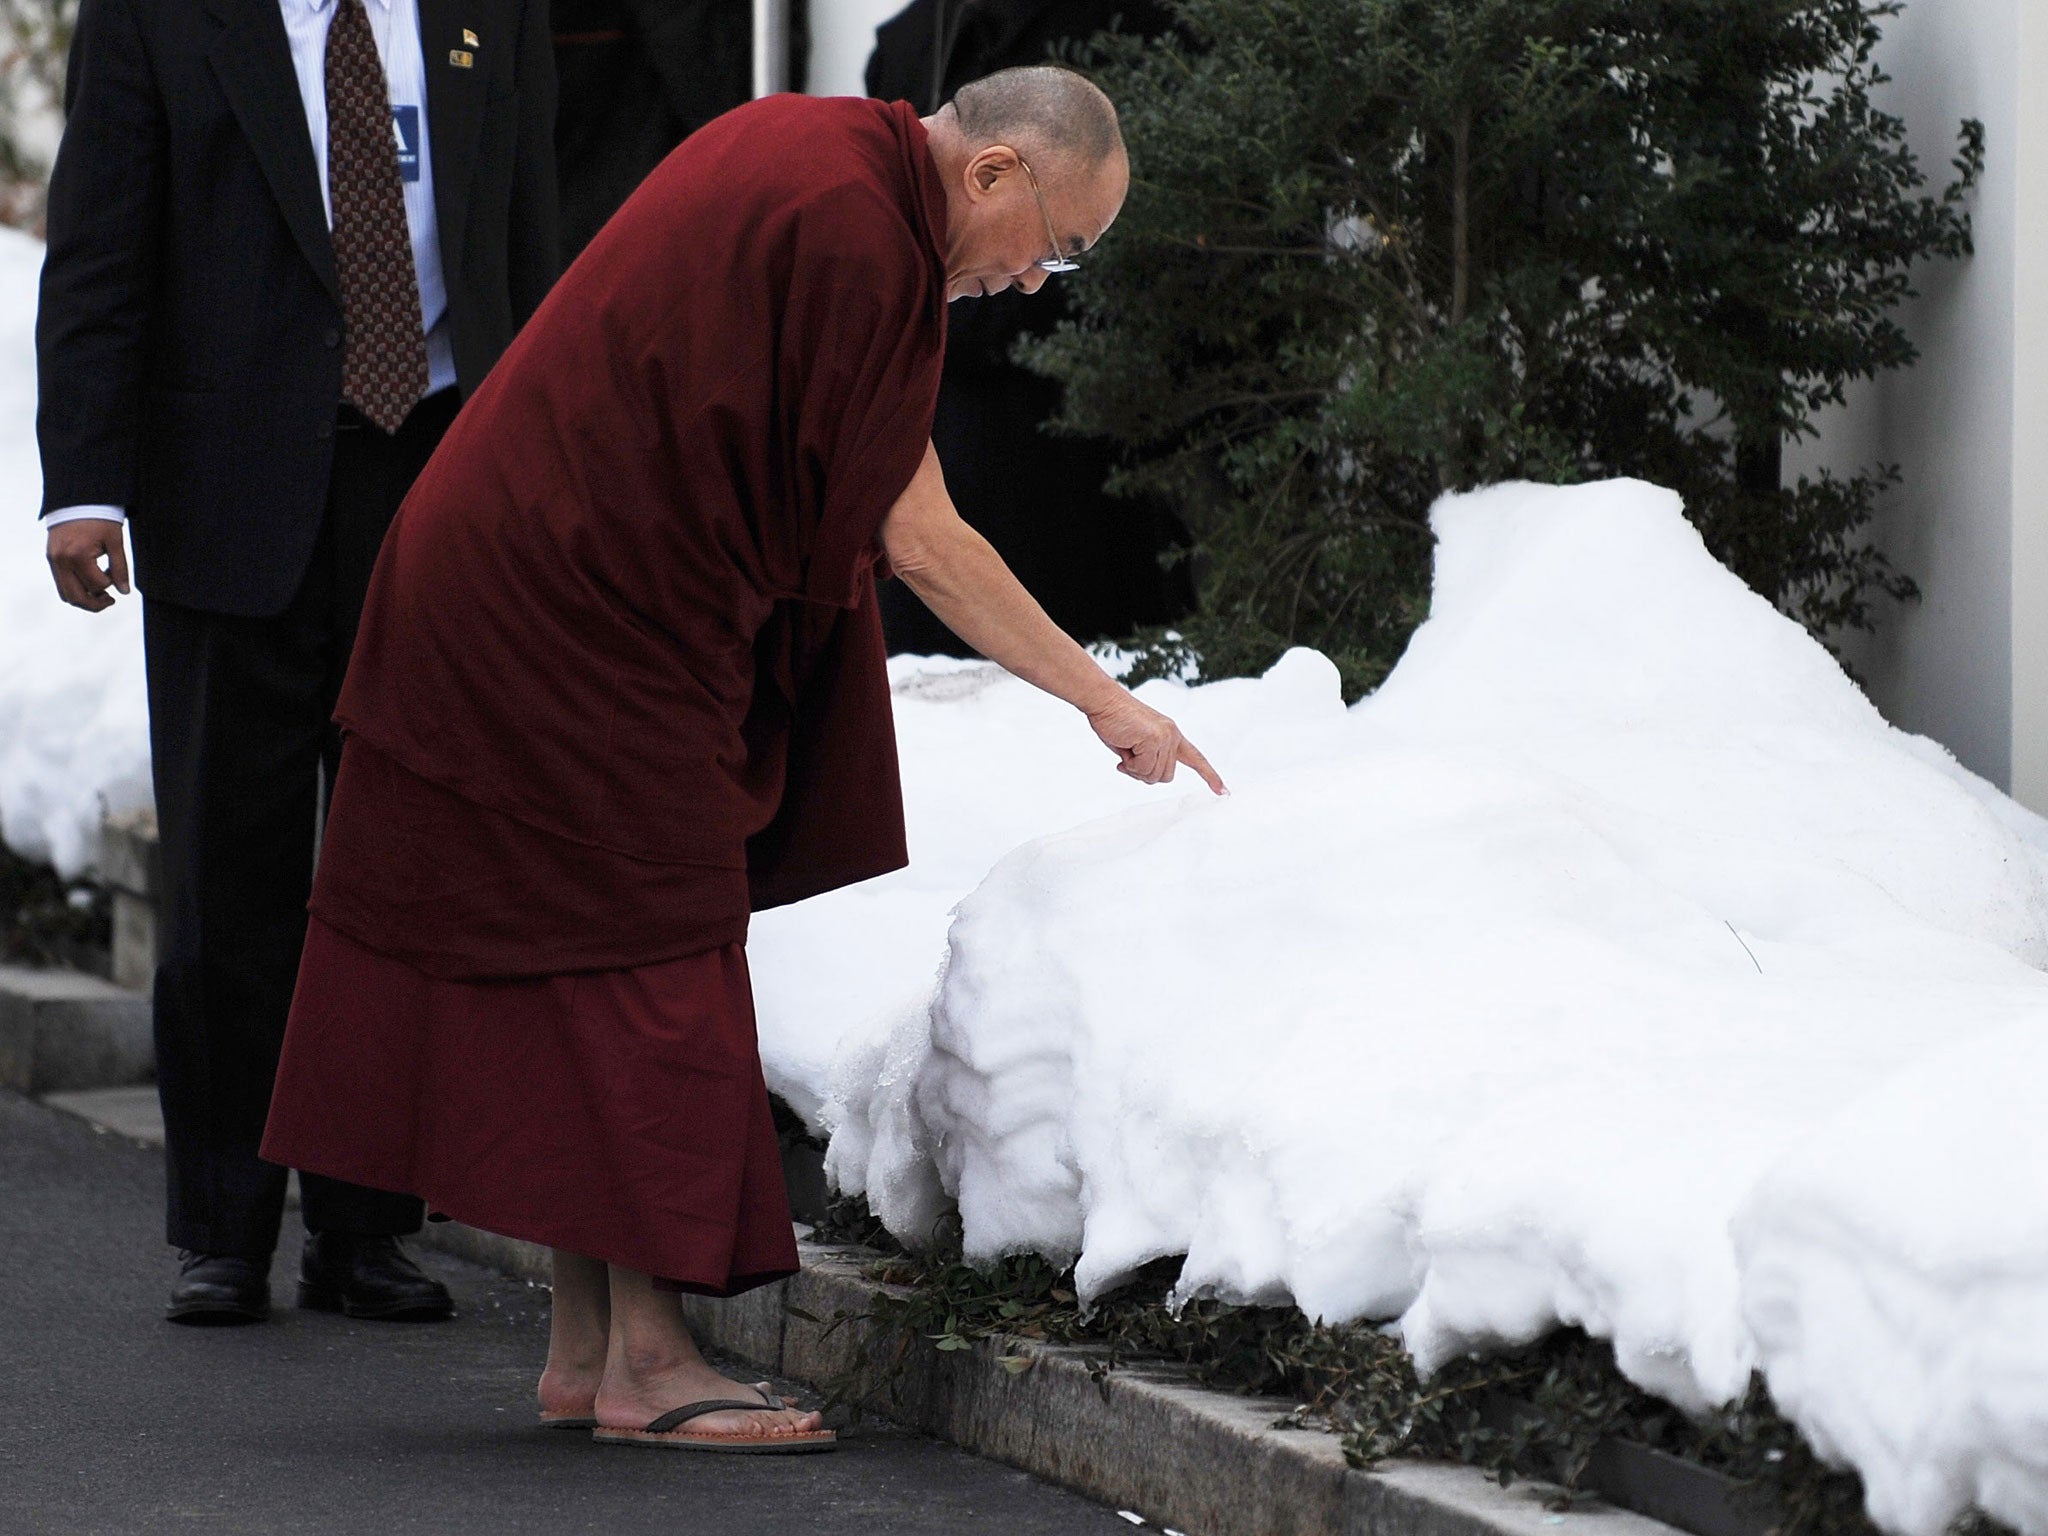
[1195, 760]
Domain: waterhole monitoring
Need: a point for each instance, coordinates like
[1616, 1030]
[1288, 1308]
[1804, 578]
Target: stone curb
[63, 1029]
[1145, 1439]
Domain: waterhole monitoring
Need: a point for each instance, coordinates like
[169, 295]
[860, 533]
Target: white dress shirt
[395, 24]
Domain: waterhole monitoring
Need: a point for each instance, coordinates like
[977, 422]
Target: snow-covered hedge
[1614, 965]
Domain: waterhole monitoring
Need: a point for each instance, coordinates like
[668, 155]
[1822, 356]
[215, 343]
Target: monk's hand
[1149, 746]
[75, 551]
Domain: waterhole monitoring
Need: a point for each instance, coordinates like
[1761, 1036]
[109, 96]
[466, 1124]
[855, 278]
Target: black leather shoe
[369, 1277]
[219, 1289]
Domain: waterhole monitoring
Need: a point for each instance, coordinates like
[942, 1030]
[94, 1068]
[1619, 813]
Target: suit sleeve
[534, 240]
[701, 53]
[100, 270]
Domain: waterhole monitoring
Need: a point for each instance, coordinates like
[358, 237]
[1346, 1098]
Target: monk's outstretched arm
[965, 583]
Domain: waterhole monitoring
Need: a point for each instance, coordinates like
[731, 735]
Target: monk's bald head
[1041, 107]
[1035, 173]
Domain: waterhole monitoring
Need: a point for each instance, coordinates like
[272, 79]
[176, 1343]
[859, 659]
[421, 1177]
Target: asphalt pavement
[117, 1422]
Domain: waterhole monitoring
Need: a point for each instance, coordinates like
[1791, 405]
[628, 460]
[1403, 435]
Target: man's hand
[76, 549]
[1149, 747]
[964, 581]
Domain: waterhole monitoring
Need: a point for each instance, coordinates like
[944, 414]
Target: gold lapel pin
[461, 58]
[469, 37]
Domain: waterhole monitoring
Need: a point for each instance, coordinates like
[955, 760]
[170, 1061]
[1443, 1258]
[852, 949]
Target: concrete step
[64, 1030]
[130, 1112]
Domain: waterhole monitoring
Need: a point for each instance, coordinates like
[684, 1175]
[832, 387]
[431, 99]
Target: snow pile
[988, 763]
[1492, 1002]
[1892, 1274]
[74, 720]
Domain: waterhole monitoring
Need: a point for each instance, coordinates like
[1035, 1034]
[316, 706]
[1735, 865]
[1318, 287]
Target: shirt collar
[321, 7]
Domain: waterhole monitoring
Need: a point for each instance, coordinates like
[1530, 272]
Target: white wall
[842, 37]
[1943, 666]
[1968, 665]
[2030, 413]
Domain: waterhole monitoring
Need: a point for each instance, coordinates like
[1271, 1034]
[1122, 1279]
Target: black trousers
[243, 746]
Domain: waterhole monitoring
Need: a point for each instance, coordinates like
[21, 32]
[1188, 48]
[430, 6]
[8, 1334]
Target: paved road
[116, 1422]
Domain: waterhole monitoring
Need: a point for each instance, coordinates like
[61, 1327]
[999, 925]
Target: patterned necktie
[384, 369]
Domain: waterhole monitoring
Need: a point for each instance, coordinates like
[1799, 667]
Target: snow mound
[1893, 1275]
[1488, 1004]
[988, 763]
[74, 719]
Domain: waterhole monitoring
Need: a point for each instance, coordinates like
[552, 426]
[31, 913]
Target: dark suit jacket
[1093, 560]
[638, 77]
[189, 339]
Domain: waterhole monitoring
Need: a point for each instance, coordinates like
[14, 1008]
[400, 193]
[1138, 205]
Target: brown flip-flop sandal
[589, 1421]
[666, 1433]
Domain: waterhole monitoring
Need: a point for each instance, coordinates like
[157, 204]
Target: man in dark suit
[638, 77]
[285, 238]
[1092, 559]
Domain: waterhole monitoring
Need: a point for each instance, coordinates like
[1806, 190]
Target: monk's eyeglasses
[1058, 261]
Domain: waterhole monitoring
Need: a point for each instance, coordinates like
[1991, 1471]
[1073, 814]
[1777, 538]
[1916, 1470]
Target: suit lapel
[254, 63]
[455, 110]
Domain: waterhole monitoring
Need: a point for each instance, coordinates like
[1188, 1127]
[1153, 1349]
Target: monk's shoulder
[839, 179]
[860, 226]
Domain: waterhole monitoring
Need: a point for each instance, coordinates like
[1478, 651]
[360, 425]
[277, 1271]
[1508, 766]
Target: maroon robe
[620, 679]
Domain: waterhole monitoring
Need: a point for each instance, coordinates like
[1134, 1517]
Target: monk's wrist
[1099, 693]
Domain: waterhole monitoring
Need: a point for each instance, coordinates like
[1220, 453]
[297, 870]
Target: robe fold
[619, 681]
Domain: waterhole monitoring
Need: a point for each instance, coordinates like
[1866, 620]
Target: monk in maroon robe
[620, 682]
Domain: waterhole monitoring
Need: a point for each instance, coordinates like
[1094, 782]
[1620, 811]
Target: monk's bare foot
[568, 1389]
[579, 1336]
[636, 1393]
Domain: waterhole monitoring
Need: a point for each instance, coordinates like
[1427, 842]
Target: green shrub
[1377, 249]
[48, 920]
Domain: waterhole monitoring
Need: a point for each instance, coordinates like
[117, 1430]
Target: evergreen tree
[1376, 249]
